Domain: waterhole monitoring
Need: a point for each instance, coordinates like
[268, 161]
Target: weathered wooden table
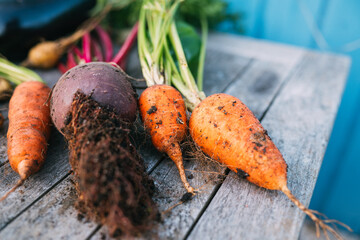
[294, 92]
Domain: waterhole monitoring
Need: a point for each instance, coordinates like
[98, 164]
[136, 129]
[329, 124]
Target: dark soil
[110, 176]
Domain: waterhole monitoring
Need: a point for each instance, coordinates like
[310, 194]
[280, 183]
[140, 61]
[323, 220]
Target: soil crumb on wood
[111, 180]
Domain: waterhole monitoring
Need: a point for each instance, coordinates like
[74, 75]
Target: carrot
[162, 107]
[29, 121]
[29, 129]
[163, 112]
[226, 130]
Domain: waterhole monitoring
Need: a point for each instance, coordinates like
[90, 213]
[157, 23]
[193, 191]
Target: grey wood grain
[55, 168]
[256, 75]
[299, 121]
[45, 219]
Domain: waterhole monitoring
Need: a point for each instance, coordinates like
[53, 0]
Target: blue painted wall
[328, 25]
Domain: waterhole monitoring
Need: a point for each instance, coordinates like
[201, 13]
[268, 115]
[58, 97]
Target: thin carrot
[29, 121]
[162, 107]
[163, 112]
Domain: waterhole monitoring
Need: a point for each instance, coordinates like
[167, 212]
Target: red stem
[87, 47]
[105, 42]
[125, 48]
[62, 68]
[71, 60]
[97, 50]
[78, 53]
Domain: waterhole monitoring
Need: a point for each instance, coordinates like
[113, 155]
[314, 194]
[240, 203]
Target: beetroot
[94, 106]
[106, 84]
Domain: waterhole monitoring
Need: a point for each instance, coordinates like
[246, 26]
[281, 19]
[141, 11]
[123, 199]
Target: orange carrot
[163, 112]
[29, 129]
[226, 130]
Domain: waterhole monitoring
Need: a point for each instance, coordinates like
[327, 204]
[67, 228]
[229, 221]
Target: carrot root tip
[18, 184]
[321, 224]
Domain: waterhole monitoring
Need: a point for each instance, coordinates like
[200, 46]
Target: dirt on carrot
[110, 176]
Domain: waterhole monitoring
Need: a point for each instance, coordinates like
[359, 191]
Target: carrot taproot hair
[226, 130]
[163, 113]
[29, 129]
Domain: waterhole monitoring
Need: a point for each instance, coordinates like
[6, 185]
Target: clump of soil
[110, 176]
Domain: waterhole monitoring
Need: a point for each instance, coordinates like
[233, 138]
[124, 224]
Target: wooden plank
[55, 168]
[299, 122]
[45, 219]
[259, 76]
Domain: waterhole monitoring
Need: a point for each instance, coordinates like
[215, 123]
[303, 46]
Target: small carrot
[29, 121]
[226, 130]
[161, 106]
[163, 112]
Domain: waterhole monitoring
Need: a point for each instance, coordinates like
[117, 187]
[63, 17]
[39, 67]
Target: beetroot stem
[62, 68]
[87, 47]
[71, 60]
[78, 53]
[105, 42]
[97, 50]
[124, 50]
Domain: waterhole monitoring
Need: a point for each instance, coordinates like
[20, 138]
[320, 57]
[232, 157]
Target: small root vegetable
[94, 105]
[29, 129]
[47, 54]
[227, 131]
[163, 112]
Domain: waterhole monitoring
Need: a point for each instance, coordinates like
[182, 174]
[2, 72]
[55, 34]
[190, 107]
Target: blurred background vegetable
[24, 23]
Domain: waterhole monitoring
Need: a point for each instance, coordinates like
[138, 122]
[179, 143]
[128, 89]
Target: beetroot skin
[107, 85]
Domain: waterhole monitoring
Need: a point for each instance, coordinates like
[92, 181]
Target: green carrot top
[17, 74]
[157, 38]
